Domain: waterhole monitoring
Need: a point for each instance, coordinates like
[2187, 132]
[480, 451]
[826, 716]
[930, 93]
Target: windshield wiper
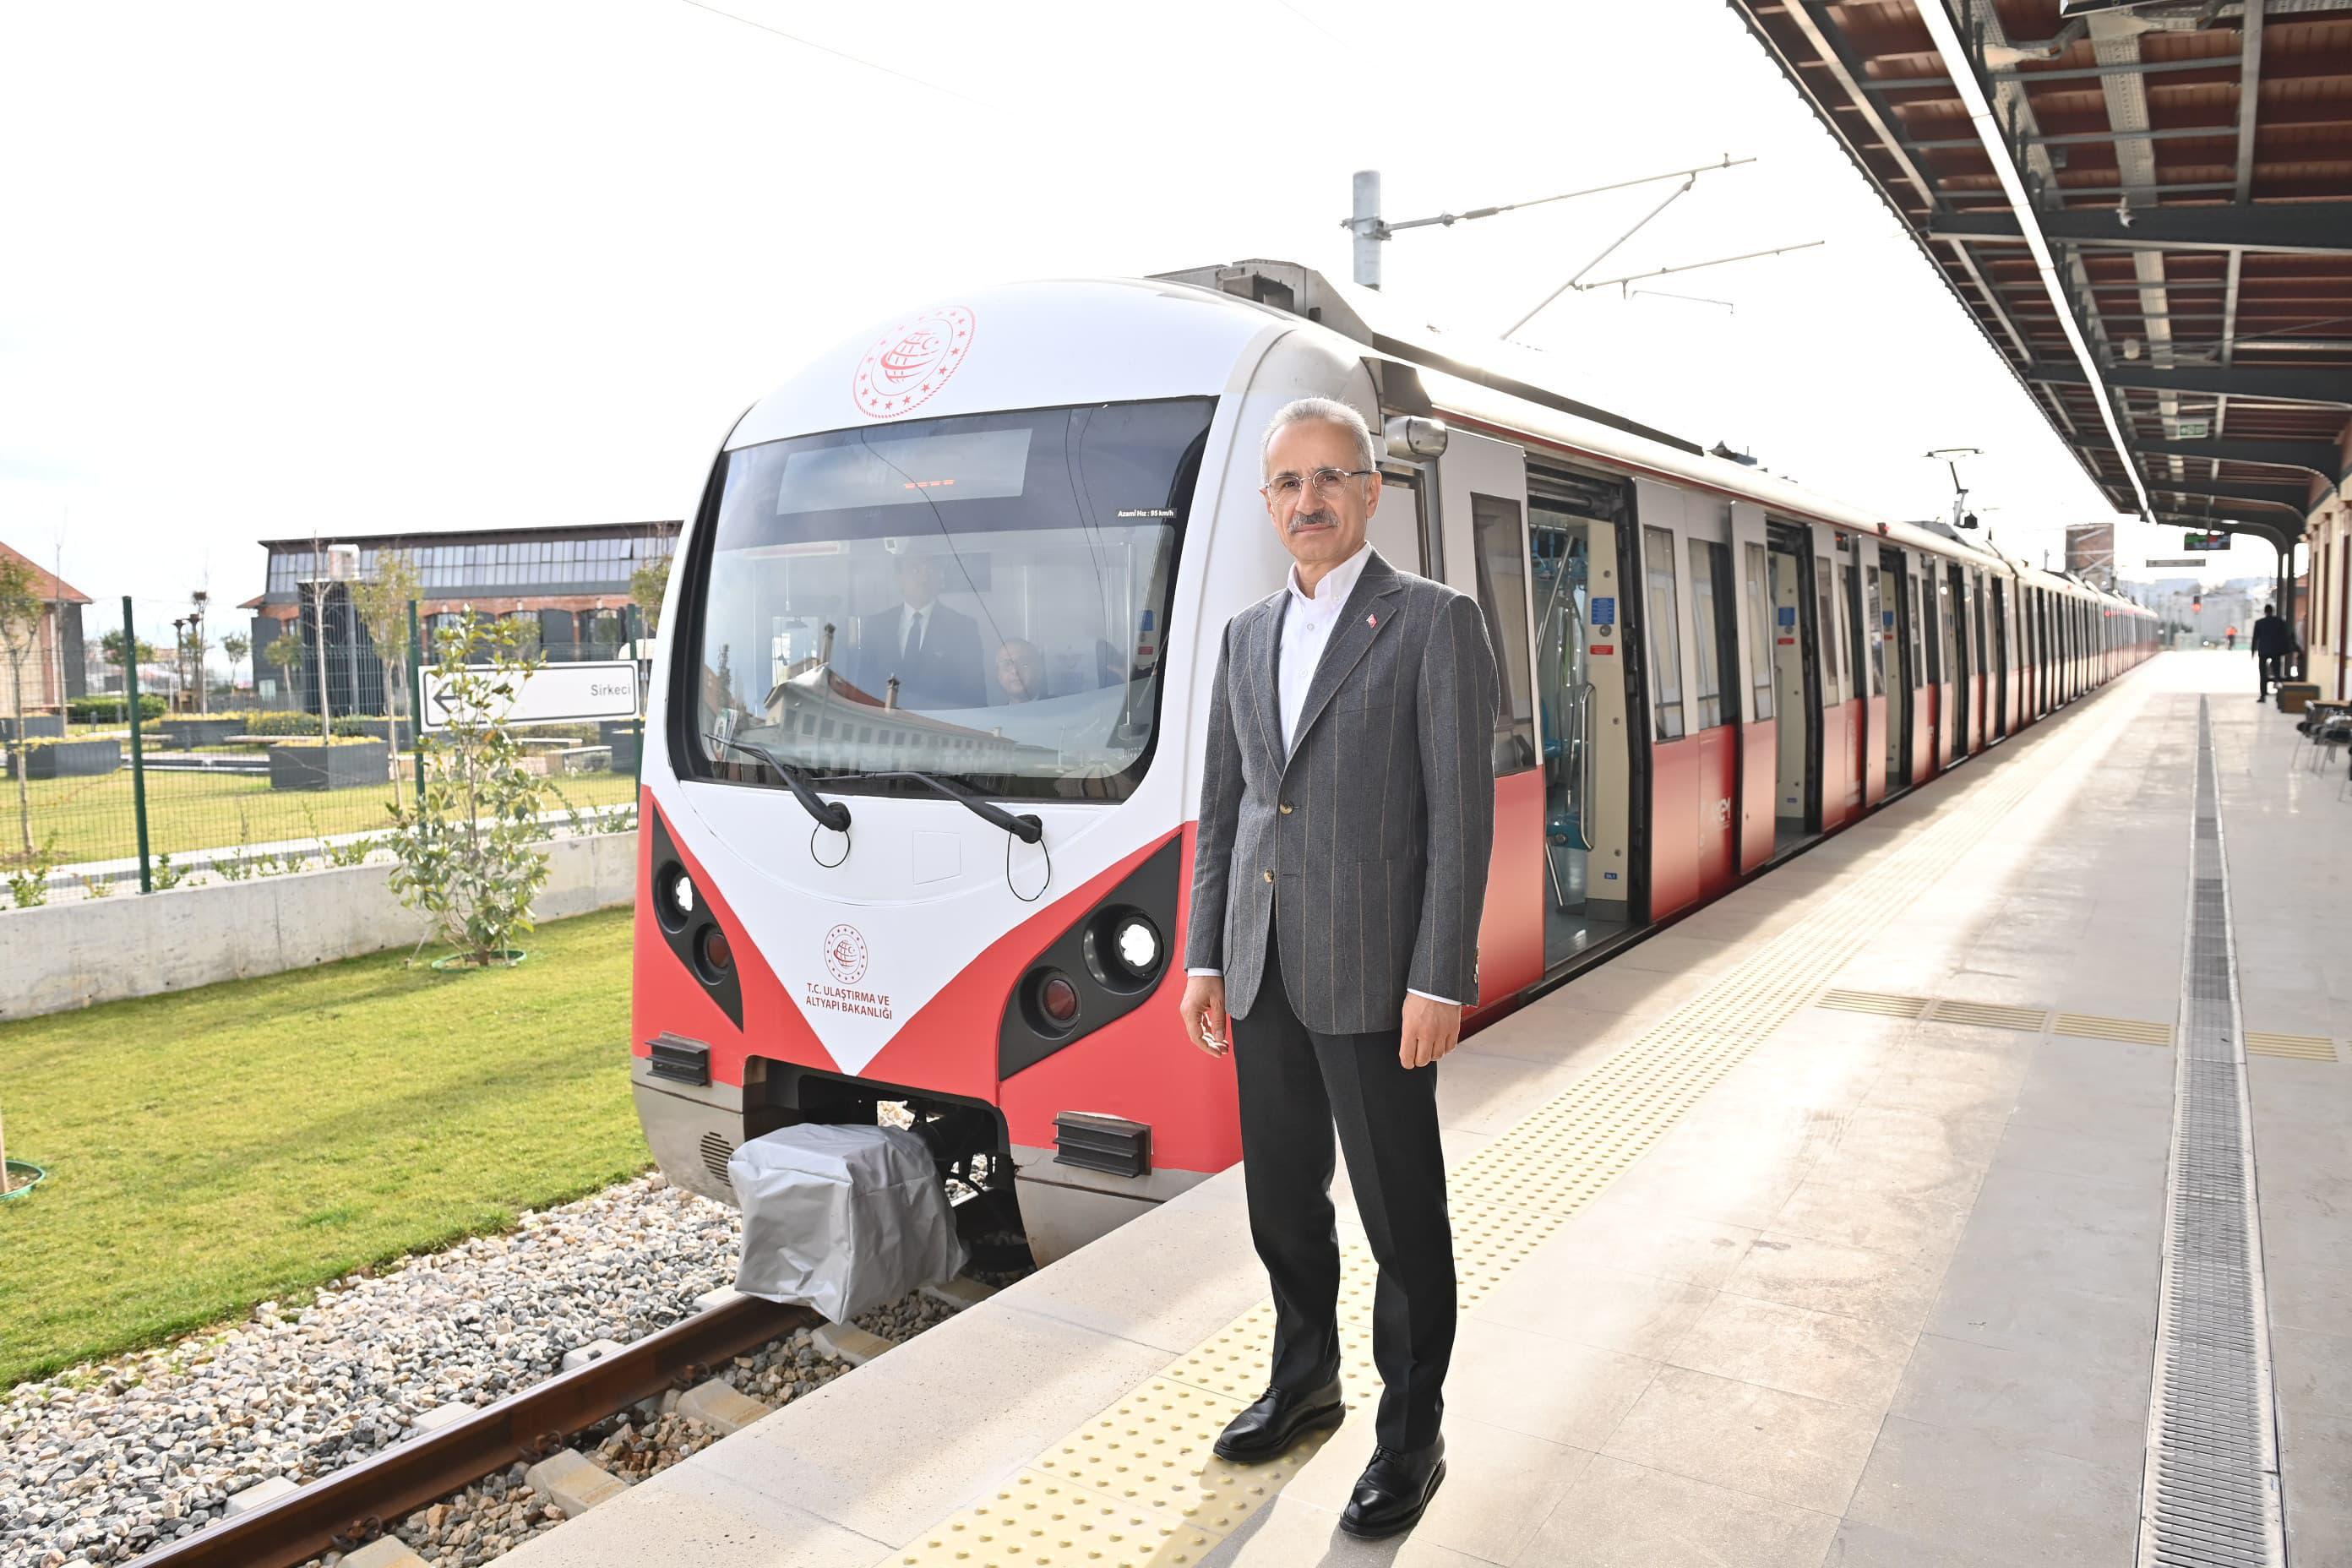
[1026, 827]
[830, 813]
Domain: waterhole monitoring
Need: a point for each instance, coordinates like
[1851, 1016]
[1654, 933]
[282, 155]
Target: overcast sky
[279, 269]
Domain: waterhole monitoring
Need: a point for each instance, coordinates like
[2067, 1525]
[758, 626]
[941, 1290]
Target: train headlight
[1124, 950]
[1137, 944]
[673, 897]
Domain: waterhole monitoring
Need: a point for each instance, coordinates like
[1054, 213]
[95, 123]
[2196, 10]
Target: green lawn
[245, 1141]
[93, 819]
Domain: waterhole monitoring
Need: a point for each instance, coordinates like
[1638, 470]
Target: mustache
[1320, 519]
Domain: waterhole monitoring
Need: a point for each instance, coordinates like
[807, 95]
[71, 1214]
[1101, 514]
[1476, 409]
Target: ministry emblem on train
[911, 360]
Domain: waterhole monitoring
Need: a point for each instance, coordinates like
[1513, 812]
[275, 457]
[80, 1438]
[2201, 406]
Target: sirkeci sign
[548, 695]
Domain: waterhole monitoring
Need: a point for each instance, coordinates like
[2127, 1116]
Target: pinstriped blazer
[1363, 852]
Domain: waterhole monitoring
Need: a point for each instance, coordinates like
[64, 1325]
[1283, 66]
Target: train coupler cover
[842, 1219]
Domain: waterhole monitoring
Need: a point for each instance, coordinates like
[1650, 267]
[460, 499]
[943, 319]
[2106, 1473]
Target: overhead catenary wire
[829, 50]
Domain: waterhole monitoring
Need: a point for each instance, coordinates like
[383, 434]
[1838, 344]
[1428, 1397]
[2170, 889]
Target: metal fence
[201, 769]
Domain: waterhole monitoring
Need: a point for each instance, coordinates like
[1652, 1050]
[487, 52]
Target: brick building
[55, 673]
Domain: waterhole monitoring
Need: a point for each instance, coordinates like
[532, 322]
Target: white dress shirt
[1308, 621]
[910, 630]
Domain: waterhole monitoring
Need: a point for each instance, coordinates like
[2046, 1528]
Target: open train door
[1795, 689]
[1577, 546]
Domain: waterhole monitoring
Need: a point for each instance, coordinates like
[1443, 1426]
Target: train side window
[1706, 628]
[1760, 634]
[1395, 528]
[1503, 597]
[1833, 645]
[1662, 634]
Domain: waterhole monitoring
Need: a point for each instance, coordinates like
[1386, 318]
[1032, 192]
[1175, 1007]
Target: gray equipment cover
[842, 1219]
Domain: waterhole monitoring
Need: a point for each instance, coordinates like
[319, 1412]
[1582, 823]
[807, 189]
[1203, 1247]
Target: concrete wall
[101, 950]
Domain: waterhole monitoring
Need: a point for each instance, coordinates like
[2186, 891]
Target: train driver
[932, 649]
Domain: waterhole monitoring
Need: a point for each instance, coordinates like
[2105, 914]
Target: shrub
[468, 849]
[115, 709]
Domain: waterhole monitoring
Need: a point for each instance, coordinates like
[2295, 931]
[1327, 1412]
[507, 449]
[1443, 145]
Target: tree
[20, 636]
[237, 645]
[285, 652]
[646, 586]
[383, 603]
[111, 645]
[468, 846]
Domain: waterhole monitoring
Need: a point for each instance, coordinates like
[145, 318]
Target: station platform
[1840, 1223]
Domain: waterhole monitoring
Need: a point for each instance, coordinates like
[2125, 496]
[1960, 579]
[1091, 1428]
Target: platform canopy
[2146, 209]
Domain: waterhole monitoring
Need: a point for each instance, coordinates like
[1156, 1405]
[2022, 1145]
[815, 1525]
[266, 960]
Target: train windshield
[983, 597]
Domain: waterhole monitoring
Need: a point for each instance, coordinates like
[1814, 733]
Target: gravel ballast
[109, 1460]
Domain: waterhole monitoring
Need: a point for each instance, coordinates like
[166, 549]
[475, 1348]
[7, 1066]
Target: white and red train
[925, 734]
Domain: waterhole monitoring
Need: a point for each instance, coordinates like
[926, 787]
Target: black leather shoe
[1392, 1490]
[1279, 1419]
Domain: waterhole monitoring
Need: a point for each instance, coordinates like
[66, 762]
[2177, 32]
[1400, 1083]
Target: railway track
[345, 1510]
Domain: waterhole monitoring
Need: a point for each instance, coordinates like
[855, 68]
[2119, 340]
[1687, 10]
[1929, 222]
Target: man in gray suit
[1346, 812]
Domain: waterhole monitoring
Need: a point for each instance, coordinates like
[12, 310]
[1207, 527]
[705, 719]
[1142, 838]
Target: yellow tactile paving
[1037, 1518]
[1152, 1450]
[1887, 1002]
[2302, 1048]
[2097, 1027]
[1148, 1458]
[1990, 1015]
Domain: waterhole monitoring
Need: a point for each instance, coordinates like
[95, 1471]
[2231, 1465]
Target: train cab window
[982, 598]
[1662, 635]
[1395, 530]
[1707, 634]
[1759, 633]
[1503, 597]
[1833, 670]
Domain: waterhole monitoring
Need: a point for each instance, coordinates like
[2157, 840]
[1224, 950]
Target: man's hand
[1204, 1012]
[1430, 1029]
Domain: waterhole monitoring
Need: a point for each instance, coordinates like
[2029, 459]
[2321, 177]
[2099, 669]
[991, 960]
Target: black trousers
[2273, 668]
[1296, 1087]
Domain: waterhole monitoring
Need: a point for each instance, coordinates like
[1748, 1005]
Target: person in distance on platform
[1346, 812]
[2274, 642]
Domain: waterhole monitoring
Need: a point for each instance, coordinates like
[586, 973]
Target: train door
[1841, 780]
[1481, 501]
[1580, 708]
[1796, 681]
[1932, 747]
[1980, 729]
[1753, 674]
[1714, 690]
[1864, 704]
[1952, 711]
[2003, 702]
[1879, 702]
[1902, 670]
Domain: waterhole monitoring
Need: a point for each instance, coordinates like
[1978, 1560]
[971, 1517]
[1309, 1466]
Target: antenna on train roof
[1373, 231]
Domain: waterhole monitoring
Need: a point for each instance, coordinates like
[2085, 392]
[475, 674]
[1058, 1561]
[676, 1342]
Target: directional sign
[550, 694]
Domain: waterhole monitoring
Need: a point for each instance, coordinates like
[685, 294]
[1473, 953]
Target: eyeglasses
[1288, 487]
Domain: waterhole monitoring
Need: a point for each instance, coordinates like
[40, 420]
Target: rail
[343, 1511]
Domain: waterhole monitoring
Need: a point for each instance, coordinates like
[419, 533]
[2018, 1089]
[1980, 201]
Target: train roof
[1504, 384]
[1183, 334]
